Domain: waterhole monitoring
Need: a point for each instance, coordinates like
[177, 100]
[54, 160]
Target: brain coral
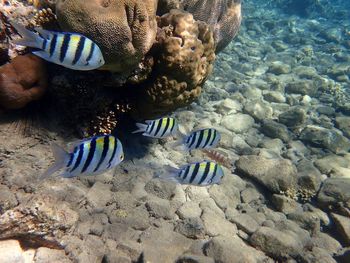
[130, 27]
[223, 15]
[184, 57]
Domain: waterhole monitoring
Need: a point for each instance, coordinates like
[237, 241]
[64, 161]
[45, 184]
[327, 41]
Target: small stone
[325, 138]
[188, 258]
[275, 130]
[258, 109]
[216, 225]
[326, 242]
[305, 87]
[191, 228]
[309, 177]
[160, 208]
[99, 195]
[330, 163]
[249, 195]
[343, 124]
[160, 188]
[245, 222]
[224, 249]
[334, 193]
[274, 96]
[284, 204]
[189, 210]
[305, 72]
[342, 224]
[293, 117]
[276, 174]
[238, 123]
[278, 68]
[228, 106]
[325, 110]
[252, 93]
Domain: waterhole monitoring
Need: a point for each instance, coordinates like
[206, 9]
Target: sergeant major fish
[160, 128]
[70, 50]
[200, 139]
[89, 157]
[200, 174]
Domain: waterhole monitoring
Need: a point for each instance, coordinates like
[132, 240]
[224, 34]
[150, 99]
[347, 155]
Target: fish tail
[61, 157]
[179, 144]
[170, 174]
[141, 127]
[29, 38]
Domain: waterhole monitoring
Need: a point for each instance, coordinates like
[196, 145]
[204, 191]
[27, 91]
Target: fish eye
[122, 157]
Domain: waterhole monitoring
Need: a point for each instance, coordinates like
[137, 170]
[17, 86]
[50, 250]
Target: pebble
[238, 123]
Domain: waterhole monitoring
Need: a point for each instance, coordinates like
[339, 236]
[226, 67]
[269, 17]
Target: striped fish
[160, 128]
[200, 174]
[70, 50]
[89, 157]
[202, 139]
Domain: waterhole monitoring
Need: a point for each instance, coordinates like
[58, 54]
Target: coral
[184, 57]
[125, 30]
[223, 15]
[45, 18]
[22, 81]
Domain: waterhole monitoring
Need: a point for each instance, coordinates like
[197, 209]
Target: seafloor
[279, 94]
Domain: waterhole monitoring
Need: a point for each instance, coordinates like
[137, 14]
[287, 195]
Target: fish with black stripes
[199, 139]
[70, 50]
[200, 174]
[159, 128]
[89, 157]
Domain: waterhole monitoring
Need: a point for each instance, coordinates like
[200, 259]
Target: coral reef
[224, 16]
[124, 30]
[22, 81]
[184, 57]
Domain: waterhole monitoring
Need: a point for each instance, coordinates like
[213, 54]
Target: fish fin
[148, 121]
[29, 38]
[41, 54]
[61, 157]
[170, 174]
[44, 33]
[141, 127]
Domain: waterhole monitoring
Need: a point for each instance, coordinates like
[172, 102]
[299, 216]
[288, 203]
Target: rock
[306, 220]
[172, 244]
[217, 225]
[252, 93]
[245, 222]
[160, 188]
[278, 68]
[274, 96]
[197, 193]
[47, 255]
[250, 194]
[331, 163]
[325, 110]
[284, 204]
[11, 251]
[189, 210]
[293, 117]
[276, 243]
[343, 124]
[225, 195]
[258, 109]
[7, 199]
[325, 138]
[225, 249]
[305, 87]
[275, 130]
[92, 250]
[334, 193]
[343, 256]
[228, 106]
[99, 195]
[275, 145]
[160, 208]
[342, 224]
[305, 72]
[191, 228]
[326, 242]
[275, 174]
[132, 249]
[238, 123]
[317, 255]
[135, 217]
[308, 176]
[188, 258]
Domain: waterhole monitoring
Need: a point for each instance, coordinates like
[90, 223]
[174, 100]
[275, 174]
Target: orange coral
[22, 81]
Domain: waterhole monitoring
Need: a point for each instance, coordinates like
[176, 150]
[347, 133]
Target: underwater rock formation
[124, 30]
[22, 81]
[223, 15]
[184, 57]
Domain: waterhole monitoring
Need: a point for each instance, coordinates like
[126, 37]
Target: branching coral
[125, 30]
[184, 56]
